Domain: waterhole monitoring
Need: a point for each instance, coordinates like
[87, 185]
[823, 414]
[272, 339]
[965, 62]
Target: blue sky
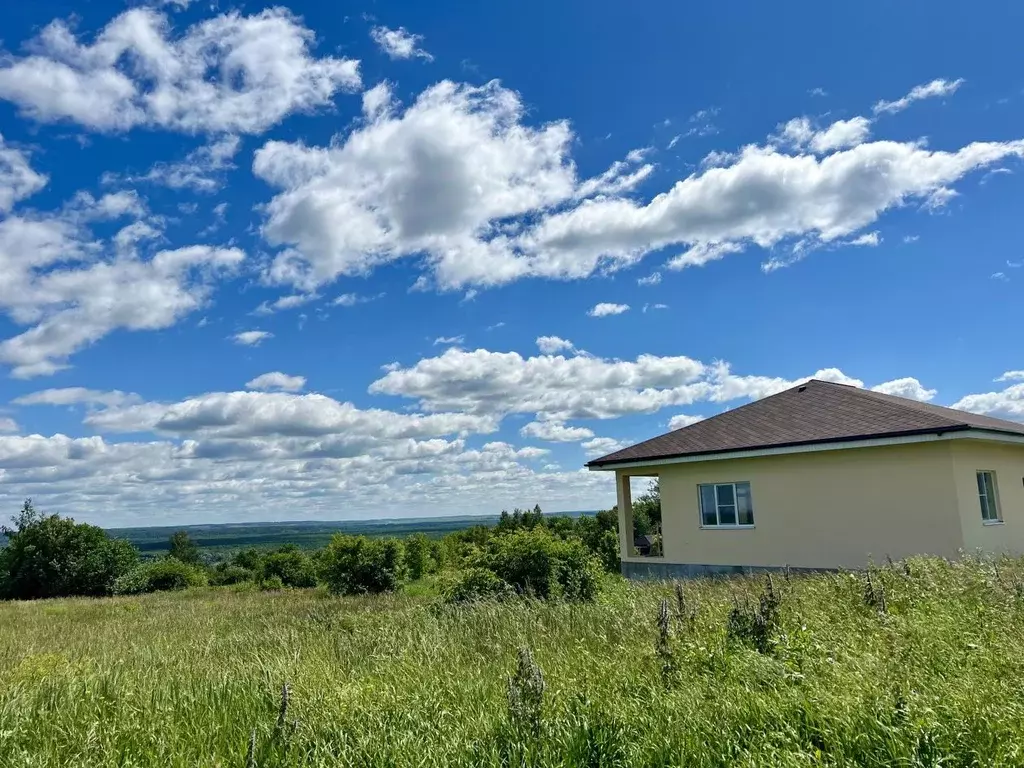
[336, 261]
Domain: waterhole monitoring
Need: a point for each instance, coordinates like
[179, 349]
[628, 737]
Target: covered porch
[644, 543]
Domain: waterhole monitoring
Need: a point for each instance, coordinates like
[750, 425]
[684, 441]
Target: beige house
[824, 476]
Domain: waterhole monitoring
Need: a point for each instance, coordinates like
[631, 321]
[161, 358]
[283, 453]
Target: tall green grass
[933, 677]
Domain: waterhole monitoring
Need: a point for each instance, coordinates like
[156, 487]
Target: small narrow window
[987, 496]
[726, 505]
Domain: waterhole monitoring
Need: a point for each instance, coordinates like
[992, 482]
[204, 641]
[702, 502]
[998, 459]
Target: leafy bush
[474, 584]
[353, 565]
[272, 584]
[536, 563]
[417, 555]
[171, 574]
[135, 582]
[231, 574]
[291, 566]
[251, 559]
[53, 556]
[164, 575]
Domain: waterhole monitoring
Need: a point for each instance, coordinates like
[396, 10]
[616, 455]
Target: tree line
[525, 553]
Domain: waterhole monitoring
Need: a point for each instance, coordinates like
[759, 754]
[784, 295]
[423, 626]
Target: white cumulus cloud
[908, 387]
[251, 338]
[277, 380]
[681, 420]
[399, 43]
[78, 396]
[555, 432]
[552, 345]
[17, 179]
[607, 309]
[227, 74]
[935, 89]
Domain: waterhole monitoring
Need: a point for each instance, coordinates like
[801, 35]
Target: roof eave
[859, 441]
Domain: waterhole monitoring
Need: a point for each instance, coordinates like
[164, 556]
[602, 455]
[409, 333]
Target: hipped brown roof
[815, 412]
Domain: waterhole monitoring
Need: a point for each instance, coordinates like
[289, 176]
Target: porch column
[625, 516]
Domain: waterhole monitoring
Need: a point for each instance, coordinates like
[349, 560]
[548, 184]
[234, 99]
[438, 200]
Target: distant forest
[224, 537]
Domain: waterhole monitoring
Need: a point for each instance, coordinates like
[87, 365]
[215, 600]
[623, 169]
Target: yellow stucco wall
[822, 509]
[1007, 461]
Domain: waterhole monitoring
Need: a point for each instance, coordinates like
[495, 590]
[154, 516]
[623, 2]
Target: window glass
[726, 514]
[707, 505]
[744, 504]
[987, 496]
[725, 495]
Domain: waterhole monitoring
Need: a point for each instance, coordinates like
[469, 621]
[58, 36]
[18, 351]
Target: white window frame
[992, 503]
[735, 505]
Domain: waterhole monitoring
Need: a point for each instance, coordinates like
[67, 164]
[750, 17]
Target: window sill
[727, 527]
[993, 522]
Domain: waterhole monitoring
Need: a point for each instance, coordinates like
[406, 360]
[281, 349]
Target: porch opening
[640, 519]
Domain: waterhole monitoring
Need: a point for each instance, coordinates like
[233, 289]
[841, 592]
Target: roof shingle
[815, 412]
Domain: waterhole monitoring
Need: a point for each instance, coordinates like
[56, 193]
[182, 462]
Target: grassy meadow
[923, 667]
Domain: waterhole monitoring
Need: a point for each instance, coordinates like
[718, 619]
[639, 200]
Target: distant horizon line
[354, 521]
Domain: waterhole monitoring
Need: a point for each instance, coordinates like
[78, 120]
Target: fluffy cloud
[605, 309]
[227, 74]
[399, 43]
[17, 179]
[560, 388]
[681, 420]
[71, 307]
[251, 338]
[552, 345]
[78, 396]
[351, 299]
[801, 134]
[907, 387]
[1012, 376]
[436, 179]
[1007, 404]
[555, 432]
[71, 288]
[445, 340]
[285, 302]
[243, 415]
[601, 446]
[935, 89]
[7, 424]
[765, 197]
[202, 170]
[138, 482]
[277, 380]
[652, 279]
[458, 181]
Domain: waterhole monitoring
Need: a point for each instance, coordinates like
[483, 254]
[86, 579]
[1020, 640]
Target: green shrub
[417, 556]
[272, 584]
[135, 582]
[170, 574]
[53, 556]
[354, 565]
[291, 566]
[474, 584]
[231, 574]
[538, 564]
[251, 559]
[164, 575]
